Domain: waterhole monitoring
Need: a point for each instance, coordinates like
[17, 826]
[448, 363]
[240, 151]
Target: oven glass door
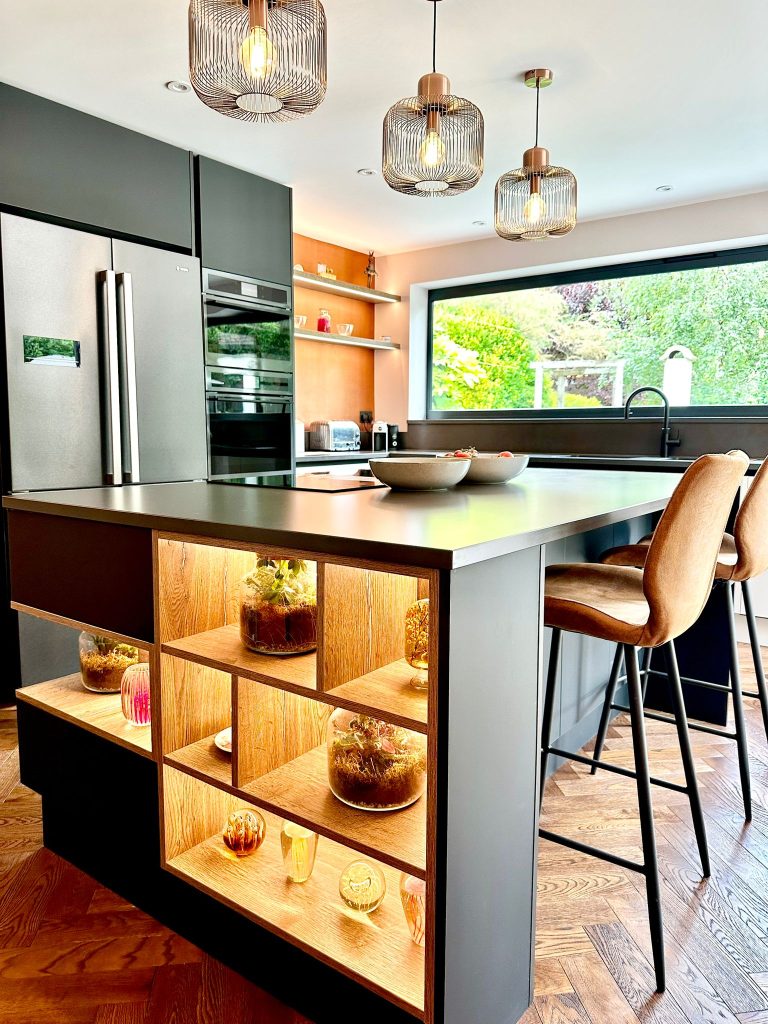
[247, 338]
[249, 434]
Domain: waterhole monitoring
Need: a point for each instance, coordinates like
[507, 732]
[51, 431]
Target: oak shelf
[300, 790]
[204, 761]
[345, 339]
[99, 713]
[316, 282]
[386, 691]
[222, 649]
[375, 950]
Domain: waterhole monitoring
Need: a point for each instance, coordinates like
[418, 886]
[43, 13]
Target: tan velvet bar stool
[743, 555]
[646, 608]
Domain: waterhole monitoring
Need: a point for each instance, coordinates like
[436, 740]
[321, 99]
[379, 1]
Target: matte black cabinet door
[61, 163]
[245, 223]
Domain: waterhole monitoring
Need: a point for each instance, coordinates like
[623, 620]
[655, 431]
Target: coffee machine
[379, 436]
[393, 437]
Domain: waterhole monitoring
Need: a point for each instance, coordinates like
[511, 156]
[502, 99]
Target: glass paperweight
[413, 897]
[299, 846]
[103, 662]
[278, 606]
[244, 832]
[362, 886]
[135, 694]
[417, 641]
[374, 765]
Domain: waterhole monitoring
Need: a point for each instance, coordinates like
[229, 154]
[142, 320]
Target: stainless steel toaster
[334, 436]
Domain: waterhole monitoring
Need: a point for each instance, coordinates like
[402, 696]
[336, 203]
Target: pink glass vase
[135, 696]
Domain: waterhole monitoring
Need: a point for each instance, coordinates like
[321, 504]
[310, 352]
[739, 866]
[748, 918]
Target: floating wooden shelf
[99, 713]
[355, 291]
[386, 691]
[375, 950]
[299, 789]
[204, 761]
[346, 339]
[222, 649]
[83, 627]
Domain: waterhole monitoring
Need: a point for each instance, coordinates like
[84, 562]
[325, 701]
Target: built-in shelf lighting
[318, 283]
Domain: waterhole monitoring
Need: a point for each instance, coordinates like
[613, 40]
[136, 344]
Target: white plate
[223, 740]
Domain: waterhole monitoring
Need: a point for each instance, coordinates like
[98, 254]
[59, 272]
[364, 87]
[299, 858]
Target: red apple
[506, 455]
[461, 455]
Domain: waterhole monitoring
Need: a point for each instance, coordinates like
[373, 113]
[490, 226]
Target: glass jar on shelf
[374, 765]
[278, 606]
[103, 661]
[417, 642]
[324, 321]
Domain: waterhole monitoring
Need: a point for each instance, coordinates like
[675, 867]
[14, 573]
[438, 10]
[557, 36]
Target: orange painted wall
[333, 382]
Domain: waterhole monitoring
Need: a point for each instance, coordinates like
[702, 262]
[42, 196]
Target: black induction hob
[323, 482]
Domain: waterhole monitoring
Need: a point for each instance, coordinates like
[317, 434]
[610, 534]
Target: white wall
[400, 376]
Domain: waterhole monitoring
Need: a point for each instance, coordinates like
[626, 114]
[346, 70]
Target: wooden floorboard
[71, 952]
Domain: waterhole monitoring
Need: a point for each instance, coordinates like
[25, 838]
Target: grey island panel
[440, 529]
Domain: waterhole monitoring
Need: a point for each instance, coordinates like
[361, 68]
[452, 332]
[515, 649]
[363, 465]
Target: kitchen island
[142, 810]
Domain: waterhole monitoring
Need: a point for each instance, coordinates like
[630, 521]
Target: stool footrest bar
[657, 716]
[616, 769]
[593, 851]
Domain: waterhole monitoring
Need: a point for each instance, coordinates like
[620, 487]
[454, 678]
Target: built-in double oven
[249, 379]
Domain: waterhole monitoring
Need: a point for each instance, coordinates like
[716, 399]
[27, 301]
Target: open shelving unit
[317, 282]
[279, 708]
[345, 339]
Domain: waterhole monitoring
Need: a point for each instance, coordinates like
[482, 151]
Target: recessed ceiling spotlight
[180, 87]
[367, 172]
[478, 223]
[664, 188]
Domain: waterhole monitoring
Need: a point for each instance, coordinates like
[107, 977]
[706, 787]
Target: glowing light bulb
[257, 53]
[432, 151]
[534, 209]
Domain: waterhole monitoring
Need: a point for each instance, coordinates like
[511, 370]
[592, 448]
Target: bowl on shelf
[345, 329]
[299, 321]
[419, 474]
[494, 469]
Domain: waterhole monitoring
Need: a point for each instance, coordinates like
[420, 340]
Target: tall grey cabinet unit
[62, 164]
[245, 223]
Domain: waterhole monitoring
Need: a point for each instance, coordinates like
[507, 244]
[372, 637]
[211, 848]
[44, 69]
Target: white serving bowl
[419, 474]
[490, 469]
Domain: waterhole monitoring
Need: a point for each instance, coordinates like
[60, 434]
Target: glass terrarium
[374, 765]
[278, 606]
[103, 661]
[417, 642]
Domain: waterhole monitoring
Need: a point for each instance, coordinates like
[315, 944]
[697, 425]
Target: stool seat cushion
[603, 601]
[634, 555]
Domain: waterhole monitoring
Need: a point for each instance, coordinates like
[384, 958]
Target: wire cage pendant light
[258, 60]
[433, 142]
[537, 200]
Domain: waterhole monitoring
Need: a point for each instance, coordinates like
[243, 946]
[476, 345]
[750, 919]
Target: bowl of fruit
[490, 467]
[419, 474]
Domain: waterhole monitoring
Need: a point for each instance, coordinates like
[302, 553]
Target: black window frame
[639, 268]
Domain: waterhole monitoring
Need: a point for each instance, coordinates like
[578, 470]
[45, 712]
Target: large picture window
[579, 343]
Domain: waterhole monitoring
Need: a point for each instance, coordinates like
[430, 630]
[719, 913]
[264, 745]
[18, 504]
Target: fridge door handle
[128, 391]
[110, 355]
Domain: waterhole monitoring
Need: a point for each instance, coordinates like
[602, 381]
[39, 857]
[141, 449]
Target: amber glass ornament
[417, 641]
[244, 832]
[362, 886]
[413, 893]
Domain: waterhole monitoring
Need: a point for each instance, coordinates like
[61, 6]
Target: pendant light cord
[537, 112]
[434, 35]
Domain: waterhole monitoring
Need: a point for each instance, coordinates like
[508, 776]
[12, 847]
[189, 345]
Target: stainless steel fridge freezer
[105, 377]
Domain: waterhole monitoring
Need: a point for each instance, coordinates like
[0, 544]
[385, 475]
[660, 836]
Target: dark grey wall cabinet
[61, 163]
[245, 223]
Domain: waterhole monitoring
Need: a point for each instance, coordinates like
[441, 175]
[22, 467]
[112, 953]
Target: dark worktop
[439, 529]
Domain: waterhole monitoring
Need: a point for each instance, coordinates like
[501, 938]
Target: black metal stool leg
[681, 723]
[549, 705]
[757, 657]
[645, 669]
[605, 717]
[738, 706]
[648, 831]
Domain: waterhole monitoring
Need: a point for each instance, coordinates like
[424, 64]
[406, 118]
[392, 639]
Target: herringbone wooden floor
[73, 953]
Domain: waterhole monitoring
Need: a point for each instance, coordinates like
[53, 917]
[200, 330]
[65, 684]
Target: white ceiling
[646, 93]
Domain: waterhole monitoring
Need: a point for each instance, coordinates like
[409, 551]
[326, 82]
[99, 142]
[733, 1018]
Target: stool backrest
[750, 530]
[680, 566]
